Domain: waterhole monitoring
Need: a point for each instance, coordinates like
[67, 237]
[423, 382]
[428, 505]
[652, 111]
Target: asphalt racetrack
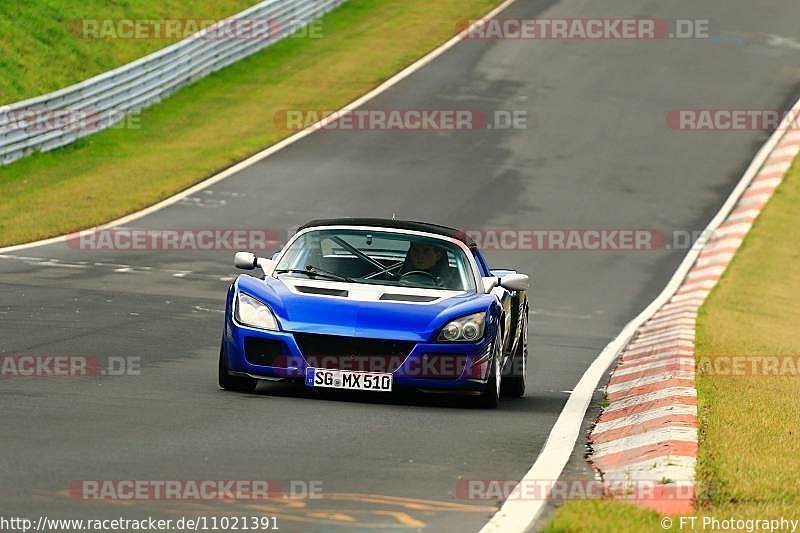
[597, 153]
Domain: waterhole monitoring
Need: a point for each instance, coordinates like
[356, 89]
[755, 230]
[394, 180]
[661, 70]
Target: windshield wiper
[313, 271]
[361, 255]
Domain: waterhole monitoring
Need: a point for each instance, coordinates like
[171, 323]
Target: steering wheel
[433, 278]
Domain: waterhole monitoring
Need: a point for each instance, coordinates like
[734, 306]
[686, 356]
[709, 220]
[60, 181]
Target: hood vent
[321, 290]
[408, 297]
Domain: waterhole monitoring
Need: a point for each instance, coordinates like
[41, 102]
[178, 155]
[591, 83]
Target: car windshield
[378, 257]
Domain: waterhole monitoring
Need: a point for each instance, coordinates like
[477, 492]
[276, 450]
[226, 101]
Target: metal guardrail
[100, 102]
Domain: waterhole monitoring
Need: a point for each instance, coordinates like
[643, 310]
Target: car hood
[361, 310]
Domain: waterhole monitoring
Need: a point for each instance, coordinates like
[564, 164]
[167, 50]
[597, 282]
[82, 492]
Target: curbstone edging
[648, 431]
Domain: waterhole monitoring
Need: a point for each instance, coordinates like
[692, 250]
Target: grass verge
[43, 48]
[748, 460]
[602, 516]
[221, 119]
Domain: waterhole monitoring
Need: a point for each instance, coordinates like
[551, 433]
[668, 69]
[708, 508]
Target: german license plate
[346, 379]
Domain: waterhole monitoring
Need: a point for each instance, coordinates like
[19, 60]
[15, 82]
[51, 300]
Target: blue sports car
[377, 305]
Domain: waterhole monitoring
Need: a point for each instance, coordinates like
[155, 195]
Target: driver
[431, 259]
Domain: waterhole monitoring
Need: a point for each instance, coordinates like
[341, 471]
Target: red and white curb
[648, 431]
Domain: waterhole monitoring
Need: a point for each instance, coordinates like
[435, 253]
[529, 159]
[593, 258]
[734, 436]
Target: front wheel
[490, 398]
[515, 382]
[234, 383]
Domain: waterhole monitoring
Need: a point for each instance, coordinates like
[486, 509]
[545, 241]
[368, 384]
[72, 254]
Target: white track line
[253, 159]
[518, 514]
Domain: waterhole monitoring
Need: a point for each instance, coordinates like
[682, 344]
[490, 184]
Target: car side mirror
[249, 261]
[515, 282]
[245, 260]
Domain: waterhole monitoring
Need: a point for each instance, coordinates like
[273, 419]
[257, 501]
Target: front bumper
[442, 367]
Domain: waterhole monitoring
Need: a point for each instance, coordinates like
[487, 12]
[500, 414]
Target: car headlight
[465, 329]
[252, 312]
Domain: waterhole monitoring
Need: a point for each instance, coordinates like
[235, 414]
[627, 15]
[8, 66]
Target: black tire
[233, 383]
[490, 398]
[515, 382]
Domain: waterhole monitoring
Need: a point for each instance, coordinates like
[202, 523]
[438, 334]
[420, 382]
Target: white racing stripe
[665, 317]
[696, 293]
[741, 227]
[715, 259]
[747, 214]
[643, 416]
[654, 337]
[684, 362]
[703, 272]
[654, 437]
[626, 364]
[651, 397]
[626, 386]
[671, 324]
[664, 334]
[793, 137]
[756, 199]
[679, 468]
[787, 151]
[652, 341]
[778, 168]
[727, 242]
[693, 304]
[656, 349]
